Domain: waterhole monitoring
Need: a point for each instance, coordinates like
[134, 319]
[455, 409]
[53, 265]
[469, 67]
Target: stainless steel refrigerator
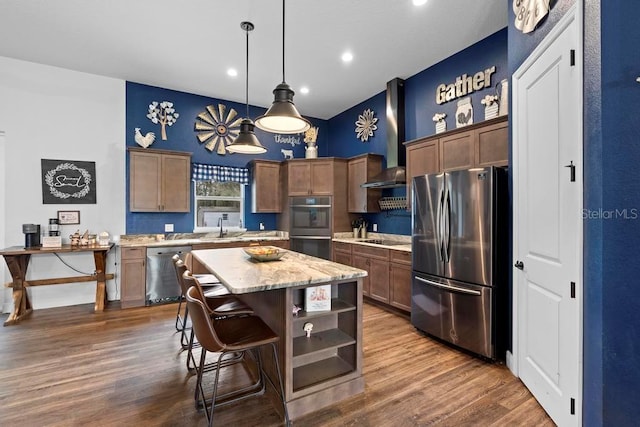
[459, 249]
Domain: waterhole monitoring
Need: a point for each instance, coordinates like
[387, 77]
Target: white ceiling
[188, 45]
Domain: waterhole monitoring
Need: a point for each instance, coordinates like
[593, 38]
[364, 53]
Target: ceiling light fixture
[247, 141]
[347, 57]
[419, 2]
[282, 116]
[232, 72]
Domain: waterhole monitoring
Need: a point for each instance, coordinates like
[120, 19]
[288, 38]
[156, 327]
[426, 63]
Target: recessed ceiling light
[347, 57]
[304, 90]
[419, 2]
[232, 72]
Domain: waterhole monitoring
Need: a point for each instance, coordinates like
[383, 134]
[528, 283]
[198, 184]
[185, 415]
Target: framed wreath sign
[68, 182]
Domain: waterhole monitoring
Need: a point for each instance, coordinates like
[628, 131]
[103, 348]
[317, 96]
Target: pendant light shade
[282, 116]
[247, 141]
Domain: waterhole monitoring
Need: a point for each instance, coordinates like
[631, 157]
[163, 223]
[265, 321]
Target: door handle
[519, 265]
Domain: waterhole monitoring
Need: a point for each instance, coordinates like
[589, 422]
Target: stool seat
[206, 279]
[238, 333]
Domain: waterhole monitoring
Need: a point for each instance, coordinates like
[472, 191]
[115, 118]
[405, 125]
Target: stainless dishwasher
[162, 283]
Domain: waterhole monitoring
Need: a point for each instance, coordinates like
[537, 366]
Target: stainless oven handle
[310, 206]
[311, 237]
[448, 287]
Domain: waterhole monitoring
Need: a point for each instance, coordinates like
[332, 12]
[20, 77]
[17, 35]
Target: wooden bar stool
[237, 334]
[219, 303]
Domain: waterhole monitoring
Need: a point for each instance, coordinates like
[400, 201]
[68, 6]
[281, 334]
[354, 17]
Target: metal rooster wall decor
[144, 140]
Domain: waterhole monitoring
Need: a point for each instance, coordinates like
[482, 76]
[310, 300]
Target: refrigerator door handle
[446, 228]
[439, 240]
[448, 287]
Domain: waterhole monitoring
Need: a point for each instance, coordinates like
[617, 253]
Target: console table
[17, 259]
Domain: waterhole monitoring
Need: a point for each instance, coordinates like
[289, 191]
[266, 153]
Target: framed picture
[68, 217]
[68, 182]
[318, 298]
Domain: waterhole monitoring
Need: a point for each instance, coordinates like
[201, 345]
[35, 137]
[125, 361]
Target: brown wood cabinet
[132, 277]
[377, 265]
[360, 170]
[342, 253]
[325, 176]
[478, 145]
[310, 177]
[457, 151]
[362, 263]
[400, 279]
[492, 145]
[159, 181]
[265, 187]
[389, 272]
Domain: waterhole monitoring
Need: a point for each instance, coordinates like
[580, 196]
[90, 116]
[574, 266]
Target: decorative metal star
[366, 125]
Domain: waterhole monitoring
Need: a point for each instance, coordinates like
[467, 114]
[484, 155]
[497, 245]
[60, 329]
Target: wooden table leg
[100, 259]
[21, 305]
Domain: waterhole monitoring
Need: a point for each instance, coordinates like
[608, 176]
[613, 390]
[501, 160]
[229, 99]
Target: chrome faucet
[222, 233]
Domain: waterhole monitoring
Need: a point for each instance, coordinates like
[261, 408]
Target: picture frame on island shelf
[317, 298]
[68, 217]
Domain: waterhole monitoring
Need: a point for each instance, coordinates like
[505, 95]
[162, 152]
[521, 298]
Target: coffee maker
[31, 235]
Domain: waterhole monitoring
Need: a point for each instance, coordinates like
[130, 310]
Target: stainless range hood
[394, 175]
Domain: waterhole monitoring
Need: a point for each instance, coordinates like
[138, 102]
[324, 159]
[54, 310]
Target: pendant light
[282, 116]
[246, 142]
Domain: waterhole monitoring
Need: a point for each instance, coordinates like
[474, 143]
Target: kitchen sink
[386, 242]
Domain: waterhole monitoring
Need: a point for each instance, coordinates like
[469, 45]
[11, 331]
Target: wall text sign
[464, 85]
[68, 182]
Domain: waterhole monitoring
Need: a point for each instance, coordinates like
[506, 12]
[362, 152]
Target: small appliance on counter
[31, 235]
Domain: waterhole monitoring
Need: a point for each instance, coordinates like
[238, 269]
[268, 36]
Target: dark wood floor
[72, 367]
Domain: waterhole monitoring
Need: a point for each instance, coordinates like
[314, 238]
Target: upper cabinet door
[176, 190]
[322, 178]
[456, 151]
[299, 178]
[159, 181]
[265, 187]
[310, 177]
[360, 170]
[145, 170]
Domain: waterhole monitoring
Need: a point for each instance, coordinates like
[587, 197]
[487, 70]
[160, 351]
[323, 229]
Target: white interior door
[547, 141]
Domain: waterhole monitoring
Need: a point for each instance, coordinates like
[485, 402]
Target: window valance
[204, 172]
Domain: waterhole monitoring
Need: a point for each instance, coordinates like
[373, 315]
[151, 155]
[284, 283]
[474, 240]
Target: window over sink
[216, 201]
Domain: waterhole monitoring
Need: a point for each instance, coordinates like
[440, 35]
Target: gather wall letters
[464, 85]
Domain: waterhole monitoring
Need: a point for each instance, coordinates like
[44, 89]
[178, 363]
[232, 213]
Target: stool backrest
[180, 268]
[202, 323]
[191, 282]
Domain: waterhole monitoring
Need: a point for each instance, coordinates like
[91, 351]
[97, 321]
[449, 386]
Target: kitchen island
[325, 367]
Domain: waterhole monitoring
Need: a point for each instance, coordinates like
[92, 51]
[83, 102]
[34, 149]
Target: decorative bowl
[264, 253]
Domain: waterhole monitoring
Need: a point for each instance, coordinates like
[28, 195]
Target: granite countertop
[396, 239]
[241, 274]
[180, 239]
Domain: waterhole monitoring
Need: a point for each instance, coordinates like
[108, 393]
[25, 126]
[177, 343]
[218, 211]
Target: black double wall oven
[310, 225]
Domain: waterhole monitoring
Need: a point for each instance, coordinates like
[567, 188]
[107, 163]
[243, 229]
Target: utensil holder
[356, 232]
[363, 233]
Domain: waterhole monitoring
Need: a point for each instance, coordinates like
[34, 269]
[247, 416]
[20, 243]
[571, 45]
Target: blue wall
[614, 184]
[182, 137]
[420, 106]
[336, 138]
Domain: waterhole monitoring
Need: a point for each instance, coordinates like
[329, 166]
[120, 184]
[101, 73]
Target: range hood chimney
[394, 175]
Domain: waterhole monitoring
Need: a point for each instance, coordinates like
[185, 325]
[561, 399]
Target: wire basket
[388, 203]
